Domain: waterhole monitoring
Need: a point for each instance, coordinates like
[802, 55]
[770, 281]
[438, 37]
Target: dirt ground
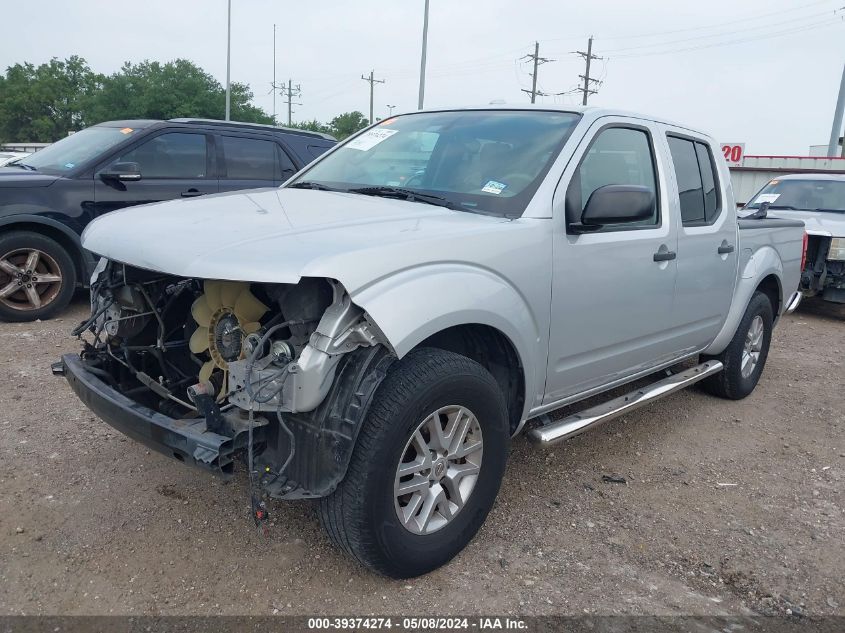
[729, 508]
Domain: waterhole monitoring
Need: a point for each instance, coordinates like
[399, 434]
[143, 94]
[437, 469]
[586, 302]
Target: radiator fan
[225, 314]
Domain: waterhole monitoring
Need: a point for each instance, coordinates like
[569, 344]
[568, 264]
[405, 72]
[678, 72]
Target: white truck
[373, 333]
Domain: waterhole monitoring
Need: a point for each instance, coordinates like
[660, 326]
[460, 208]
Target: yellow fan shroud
[225, 314]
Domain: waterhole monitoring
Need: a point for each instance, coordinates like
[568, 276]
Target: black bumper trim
[188, 441]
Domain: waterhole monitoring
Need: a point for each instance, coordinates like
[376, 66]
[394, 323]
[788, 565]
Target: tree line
[44, 103]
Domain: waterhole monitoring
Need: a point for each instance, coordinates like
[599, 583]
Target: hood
[17, 177]
[281, 235]
[827, 223]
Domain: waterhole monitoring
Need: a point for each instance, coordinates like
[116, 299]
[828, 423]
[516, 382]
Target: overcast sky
[765, 72]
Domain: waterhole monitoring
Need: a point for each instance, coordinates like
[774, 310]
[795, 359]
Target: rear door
[250, 162]
[707, 241]
[613, 289]
[173, 164]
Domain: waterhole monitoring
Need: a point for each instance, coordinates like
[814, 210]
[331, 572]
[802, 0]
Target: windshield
[488, 161]
[803, 195]
[77, 148]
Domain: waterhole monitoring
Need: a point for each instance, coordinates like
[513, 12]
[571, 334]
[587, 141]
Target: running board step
[558, 430]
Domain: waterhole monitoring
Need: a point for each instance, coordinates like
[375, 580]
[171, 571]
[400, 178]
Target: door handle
[191, 193]
[724, 249]
[665, 256]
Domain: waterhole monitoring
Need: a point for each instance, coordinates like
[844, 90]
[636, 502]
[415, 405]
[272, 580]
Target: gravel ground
[729, 508]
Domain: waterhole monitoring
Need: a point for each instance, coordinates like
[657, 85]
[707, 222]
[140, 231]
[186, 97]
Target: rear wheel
[37, 276]
[745, 356]
[426, 467]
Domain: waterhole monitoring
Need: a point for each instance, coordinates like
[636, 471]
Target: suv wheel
[426, 467]
[37, 276]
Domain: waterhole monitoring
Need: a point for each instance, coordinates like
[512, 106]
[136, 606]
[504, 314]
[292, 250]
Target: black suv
[47, 198]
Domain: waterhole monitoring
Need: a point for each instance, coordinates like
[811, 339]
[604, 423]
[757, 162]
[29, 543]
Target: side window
[617, 156]
[170, 155]
[696, 181]
[250, 158]
[708, 180]
[688, 176]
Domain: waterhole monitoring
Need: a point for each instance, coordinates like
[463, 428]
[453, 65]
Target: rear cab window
[697, 179]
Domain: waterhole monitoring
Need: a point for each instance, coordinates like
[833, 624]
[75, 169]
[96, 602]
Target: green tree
[347, 124]
[313, 126]
[44, 103]
[151, 90]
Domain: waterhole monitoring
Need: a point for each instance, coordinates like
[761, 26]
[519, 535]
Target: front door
[612, 293]
[173, 165]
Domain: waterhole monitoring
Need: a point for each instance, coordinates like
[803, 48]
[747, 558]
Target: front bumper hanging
[186, 440]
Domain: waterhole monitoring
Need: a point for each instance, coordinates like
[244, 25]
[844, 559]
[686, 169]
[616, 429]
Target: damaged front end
[209, 371]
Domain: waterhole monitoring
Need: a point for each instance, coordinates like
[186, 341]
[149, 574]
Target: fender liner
[324, 438]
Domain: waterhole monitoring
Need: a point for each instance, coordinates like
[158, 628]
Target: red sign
[733, 152]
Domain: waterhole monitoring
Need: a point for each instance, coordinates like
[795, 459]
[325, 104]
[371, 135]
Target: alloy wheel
[438, 469]
[30, 279]
[753, 346]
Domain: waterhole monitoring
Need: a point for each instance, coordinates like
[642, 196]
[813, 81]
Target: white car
[7, 157]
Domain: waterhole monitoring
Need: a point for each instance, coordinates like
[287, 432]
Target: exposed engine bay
[823, 273]
[279, 375]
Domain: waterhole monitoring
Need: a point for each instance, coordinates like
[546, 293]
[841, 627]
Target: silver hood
[281, 235]
[827, 223]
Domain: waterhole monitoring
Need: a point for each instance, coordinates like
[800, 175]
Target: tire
[730, 383]
[361, 516]
[31, 296]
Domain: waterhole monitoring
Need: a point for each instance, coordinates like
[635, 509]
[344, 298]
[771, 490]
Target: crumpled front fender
[412, 305]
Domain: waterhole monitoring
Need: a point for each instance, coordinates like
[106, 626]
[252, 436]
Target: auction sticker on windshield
[370, 139]
[494, 187]
[767, 197]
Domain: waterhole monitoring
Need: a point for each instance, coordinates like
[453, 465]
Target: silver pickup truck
[374, 332]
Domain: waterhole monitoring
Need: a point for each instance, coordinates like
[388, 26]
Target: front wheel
[745, 356]
[37, 276]
[426, 467]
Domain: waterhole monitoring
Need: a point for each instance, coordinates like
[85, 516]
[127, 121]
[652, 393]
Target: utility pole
[588, 56]
[537, 61]
[274, 75]
[422, 59]
[372, 84]
[290, 92]
[229, 63]
[836, 129]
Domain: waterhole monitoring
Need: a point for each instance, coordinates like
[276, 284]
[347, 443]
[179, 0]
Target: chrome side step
[578, 423]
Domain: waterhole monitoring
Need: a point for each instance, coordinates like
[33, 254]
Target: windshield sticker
[127, 130]
[767, 197]
[370, 139]
[69, 165]
[493, 187]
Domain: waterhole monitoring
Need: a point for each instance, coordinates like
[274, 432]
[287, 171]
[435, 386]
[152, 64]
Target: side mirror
[125, 172]
[615, 204]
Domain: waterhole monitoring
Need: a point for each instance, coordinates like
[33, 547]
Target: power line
[792, 22]
[743, 40]
[588, 81]
[537, 61]
[741, 18]
[372, 83]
